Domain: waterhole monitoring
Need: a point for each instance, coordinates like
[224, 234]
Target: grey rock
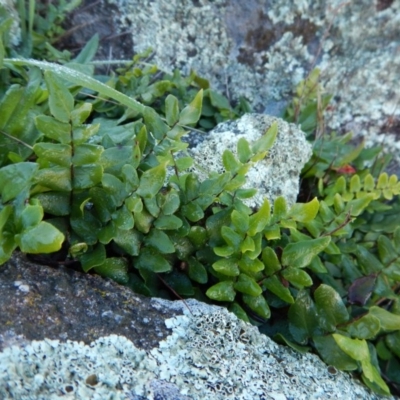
[59, 303]
[276, 175]
[262, 48]
[199, 351]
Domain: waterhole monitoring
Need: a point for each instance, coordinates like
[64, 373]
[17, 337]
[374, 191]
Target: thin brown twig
[17, 140]
[344, 223]
[174, 292]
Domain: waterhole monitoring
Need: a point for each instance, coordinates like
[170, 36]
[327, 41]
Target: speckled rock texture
[262, 48]
[276, 175]
[98, 340]
[39, 302]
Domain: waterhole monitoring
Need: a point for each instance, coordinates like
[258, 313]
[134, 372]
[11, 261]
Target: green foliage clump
[84, 174]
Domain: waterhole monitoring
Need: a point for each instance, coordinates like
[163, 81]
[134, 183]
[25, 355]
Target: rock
[276, 175]
[96, 339]
[261, 49]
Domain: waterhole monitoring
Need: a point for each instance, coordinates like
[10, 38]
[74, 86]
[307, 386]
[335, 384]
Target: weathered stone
[276, 175]
[39, 302]
[141, 348]
[261, 49]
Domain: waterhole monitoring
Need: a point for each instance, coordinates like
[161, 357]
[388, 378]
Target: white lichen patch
[210, 354]
[354, 43]
[276, 175]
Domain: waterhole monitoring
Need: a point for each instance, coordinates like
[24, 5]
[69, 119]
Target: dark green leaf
[152, 206]
[180, 283]
[240, 221]
[42, 238]
[168, 222]
[243, 150]
[154, 123]
[16, 178]
[304, 212]
[30, 216]
[152, 260]
[330, 307]
[227, 266]
[81, 79]
[87, 176]
[89, 50]
[152, 181]
[143, 221]
[386, 250]
[258, 304]
[222, 291]
[332, 354]
[191, 113]
[297, 277]
[160, 241]
[59, 154]
[230, 162]
[357, 349]
[260, 219]
[172, 202]
[80, 114]
[87, 227]
[238, 311]
[393, 342]
[86, 154]
[300, 254]
[54, 129]
[115, 268]
[93, 257]
[197, 271]
[267, 140]
[274, 285]
[198, 236]
[270, 261]
[249, 265]
[127, 240]
[303, 318]
[368, 262]
[61, 101]
[55, 178]
[388, 320]
[367, 327]
[171, 110]
[231, 237]
[280, 209]
[247, 285]
[123, 218]
[192, 212]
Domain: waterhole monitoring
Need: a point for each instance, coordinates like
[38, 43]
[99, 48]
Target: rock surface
[262, 48]
[124, 346]
[276, 175]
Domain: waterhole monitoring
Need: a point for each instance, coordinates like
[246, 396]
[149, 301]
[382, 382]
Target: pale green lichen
[276, 175]
[359, 55]
[210, 354]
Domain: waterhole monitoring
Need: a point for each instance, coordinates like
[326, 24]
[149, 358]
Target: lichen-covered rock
[260, 49]
[276, 175]
[210, 354]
